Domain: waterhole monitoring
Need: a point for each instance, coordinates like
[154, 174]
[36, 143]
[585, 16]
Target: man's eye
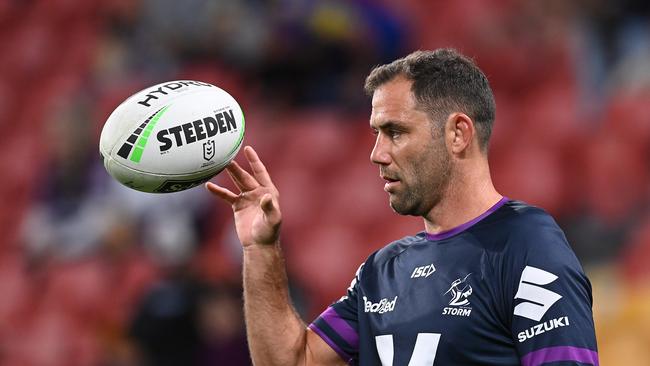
[394, 134]
[375, 132]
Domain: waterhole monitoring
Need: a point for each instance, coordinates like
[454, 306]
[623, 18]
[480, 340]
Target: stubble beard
[427, 185]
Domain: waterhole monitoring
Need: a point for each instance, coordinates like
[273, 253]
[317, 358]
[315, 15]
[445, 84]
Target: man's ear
[460, 132]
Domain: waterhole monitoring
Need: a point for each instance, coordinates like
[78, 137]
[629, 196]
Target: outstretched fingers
[221, 192]
[242, 179]
[258, 168]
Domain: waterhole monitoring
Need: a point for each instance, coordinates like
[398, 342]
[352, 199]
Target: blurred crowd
[92, 273]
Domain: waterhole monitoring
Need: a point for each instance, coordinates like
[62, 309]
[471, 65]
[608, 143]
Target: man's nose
[380, 154]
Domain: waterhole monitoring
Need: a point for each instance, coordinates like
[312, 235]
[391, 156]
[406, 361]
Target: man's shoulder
[528, 231]
[517, 214]
[516, 220]
[394, 249]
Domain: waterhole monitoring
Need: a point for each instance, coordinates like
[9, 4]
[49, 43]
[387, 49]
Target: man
[489, 282]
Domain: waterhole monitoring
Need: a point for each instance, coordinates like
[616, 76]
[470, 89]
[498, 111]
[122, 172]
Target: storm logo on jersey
[460, 292]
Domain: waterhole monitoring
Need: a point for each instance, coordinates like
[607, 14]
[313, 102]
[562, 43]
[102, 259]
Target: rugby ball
[172, 136]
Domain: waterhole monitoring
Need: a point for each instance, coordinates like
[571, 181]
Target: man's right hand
[266, 296]
[256, 208]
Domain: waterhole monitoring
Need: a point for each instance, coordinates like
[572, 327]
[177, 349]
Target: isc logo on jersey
[423, 271]
[537, 301]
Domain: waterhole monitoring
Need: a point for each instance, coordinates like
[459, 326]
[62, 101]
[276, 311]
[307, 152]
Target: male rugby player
[490, 281]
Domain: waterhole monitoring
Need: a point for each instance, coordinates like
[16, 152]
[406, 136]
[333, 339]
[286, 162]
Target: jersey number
[424, 352]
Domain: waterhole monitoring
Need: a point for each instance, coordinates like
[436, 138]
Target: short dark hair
[444, 81]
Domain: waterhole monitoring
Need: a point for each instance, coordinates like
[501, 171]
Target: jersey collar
[459, 229]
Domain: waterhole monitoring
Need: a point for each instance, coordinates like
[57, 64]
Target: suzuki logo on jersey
[423, 271]
[460, 293]
[543, 328]
[539, 299]
[383, 306]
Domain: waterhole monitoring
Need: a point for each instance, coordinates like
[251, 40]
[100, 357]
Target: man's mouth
[391, 183]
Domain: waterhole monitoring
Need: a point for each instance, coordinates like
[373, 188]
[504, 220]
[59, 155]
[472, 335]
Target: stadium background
[94, 274]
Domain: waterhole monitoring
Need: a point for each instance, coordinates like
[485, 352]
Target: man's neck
[464, 200]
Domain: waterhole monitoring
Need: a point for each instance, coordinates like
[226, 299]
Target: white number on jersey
[424, 352]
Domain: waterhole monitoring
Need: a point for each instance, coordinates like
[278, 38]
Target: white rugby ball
[172, 136]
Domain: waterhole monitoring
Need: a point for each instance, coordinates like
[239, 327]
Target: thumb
[270, 211]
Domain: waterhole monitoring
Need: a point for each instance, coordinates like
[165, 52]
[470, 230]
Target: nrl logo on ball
[208, 149]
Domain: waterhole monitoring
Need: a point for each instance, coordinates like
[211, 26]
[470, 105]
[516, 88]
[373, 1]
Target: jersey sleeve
[338, 324]
[551, 300]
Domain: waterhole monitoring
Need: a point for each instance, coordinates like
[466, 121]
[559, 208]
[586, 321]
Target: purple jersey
[503, 289]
